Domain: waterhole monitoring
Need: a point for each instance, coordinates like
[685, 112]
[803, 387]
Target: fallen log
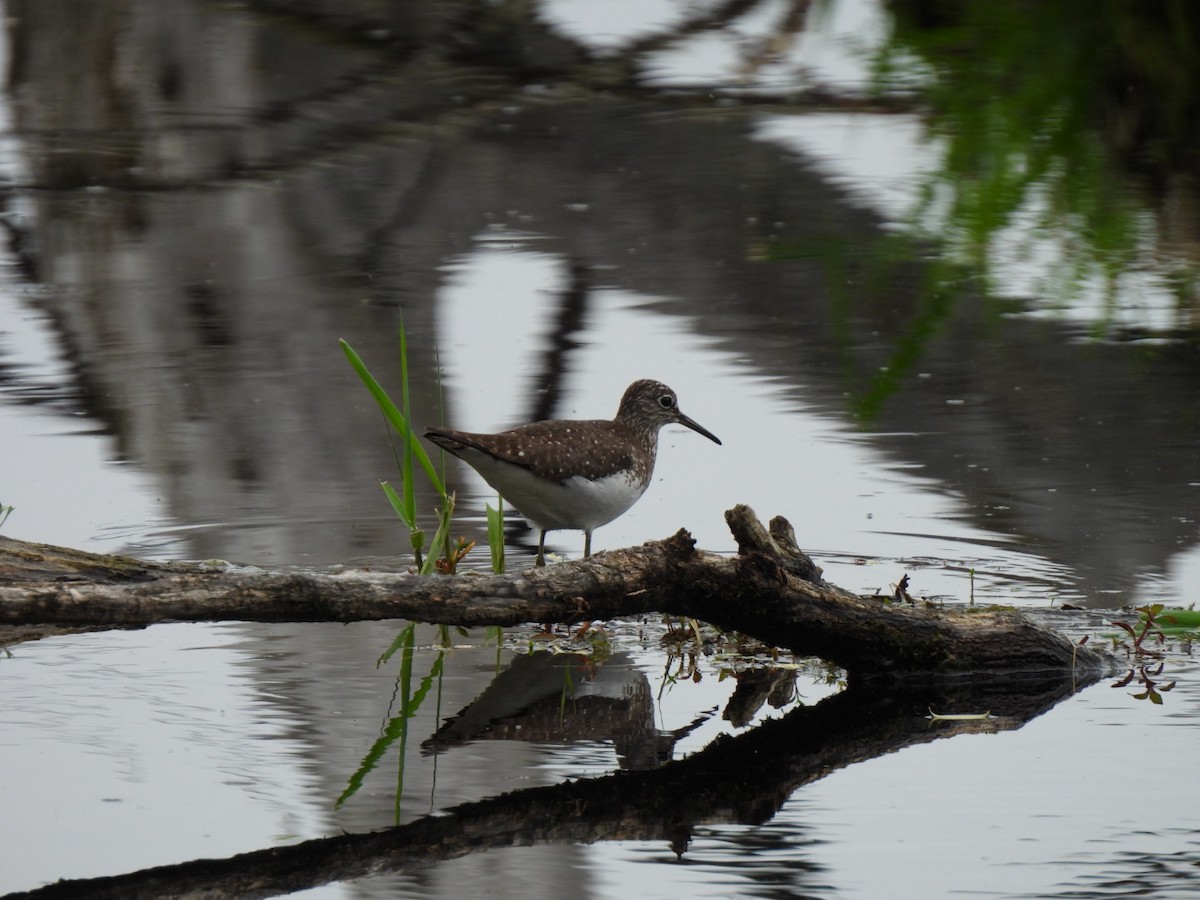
[770, 591]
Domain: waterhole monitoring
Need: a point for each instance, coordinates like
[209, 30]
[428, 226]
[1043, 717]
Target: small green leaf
[398, 505]
[403, 639]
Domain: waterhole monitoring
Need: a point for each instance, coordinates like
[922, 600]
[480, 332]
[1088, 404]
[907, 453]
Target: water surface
[985, 383]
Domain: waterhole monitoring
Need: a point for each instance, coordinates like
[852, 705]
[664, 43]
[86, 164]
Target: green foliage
[403, 502]
[936, 302]
[395, 729]
[1069, 128]
[397, 419]
[445, 553]
[495, 532]
[496, 633]
[1052, 126]
[4, 513]
[1056, 145]
[1177, 622]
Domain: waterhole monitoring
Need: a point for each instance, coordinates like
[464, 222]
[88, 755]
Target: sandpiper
[574, 475]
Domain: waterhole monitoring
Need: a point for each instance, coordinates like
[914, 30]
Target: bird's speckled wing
[554, 450]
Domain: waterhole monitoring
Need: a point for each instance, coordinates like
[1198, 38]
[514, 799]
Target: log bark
[770, 591]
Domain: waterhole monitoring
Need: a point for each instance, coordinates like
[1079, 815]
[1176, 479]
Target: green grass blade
[391, 733]
[396, 728]
[394, 416]
[406, 664]
[406, 467]
[402, 511]
[424, 687]
[404, 638]
[495, 533]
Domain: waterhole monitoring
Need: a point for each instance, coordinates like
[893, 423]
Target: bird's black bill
[697, 427]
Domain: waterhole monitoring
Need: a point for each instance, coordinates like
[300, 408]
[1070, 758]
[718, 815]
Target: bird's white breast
[575, 503]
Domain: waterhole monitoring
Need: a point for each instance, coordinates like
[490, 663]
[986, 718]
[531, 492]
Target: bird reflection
[565, 698]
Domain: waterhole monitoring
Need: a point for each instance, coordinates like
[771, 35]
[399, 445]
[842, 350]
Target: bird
[576, 475]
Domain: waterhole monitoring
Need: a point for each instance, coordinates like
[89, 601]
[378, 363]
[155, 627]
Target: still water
[988, 385]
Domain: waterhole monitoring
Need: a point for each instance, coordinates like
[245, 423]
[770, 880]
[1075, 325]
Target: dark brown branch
[770, 591]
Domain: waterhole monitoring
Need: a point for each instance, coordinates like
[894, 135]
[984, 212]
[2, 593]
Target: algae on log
[770, 591]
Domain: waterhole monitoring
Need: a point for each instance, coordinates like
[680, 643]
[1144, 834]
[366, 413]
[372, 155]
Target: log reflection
[735, 780]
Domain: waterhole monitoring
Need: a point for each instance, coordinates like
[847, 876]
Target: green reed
[395, 730]
[495, 533]
[404, 502]
[445, 554]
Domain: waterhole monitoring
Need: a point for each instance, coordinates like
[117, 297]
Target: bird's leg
[587, 544]
[541, 557]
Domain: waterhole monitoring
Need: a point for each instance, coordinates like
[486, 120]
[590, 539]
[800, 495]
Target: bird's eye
[666, 401]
